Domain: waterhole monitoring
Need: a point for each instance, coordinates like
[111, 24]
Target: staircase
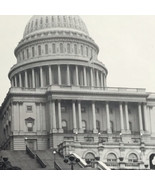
[21, 159]
[47, 157]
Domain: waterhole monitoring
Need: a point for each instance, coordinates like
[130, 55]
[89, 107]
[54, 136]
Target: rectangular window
[29, 108]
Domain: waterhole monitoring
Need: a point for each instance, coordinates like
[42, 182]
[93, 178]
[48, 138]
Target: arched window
[75, 48]
[27, 51]
[23, 55]
[39, 50]
[84, 125]
[87, 51]
[46, 20]
[53, 48]
[111, 157]
[36, 23]
[61, 48]
[81, 50]
[98, 127]
[68, 48]
[33, 54]
[46, 49]
[89, 158]
[132, 160]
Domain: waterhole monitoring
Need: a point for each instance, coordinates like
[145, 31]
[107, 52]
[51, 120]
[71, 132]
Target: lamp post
[25, 141]
[71, 160]
[99, 137]
[76, 133]
[120, 137]
[54, 153]
[141, 137]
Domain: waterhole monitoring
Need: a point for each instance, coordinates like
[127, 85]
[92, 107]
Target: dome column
[84, 75]
[59, 75]
[77, 75]
[92, 77]
[15, 81]
[97, 79]
[41, 77]
[50, 75]
[33, 79]
[68, 75]
[26, 80]
[101, 79]
[20, 80]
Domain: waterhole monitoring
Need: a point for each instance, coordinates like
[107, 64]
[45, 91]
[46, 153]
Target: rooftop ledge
[71, 88]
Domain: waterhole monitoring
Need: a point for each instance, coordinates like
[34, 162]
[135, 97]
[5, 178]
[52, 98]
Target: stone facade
[59, 99]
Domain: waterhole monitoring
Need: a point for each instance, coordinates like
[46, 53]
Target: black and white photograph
[77, 94]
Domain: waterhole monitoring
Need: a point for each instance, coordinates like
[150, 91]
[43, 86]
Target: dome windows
[68, 48]
[39, 50]
[46, 49]
[75, 48]
[53, 48]
[33, 53]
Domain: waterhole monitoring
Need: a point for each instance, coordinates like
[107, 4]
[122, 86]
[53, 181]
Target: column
[74, 117]
[26, 80]
[121, 117]
[20, 80]
[145, 117]
[94, 118]
[68, 75]
[105, 82]
[41, 77]
[77, 75]
[140, 117]
[12, 82]
[50, 75]
[127, 117]
[84, 75]
[33, 79]
[59, 117]
[108, 118]
[97, 79]
[59, 75]
[15, 81]
[101, 79]
[53, 116]
[92, 77]
[80, 117]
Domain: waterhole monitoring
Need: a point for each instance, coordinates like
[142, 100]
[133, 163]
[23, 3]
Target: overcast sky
[127, 48]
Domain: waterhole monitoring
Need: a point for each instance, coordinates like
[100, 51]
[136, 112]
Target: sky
[126, 43]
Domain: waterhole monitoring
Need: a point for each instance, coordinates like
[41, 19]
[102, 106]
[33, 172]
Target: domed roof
[39, 23]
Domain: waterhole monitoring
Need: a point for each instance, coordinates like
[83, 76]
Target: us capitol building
[59, 99]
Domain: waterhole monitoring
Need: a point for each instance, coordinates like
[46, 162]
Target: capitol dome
[57, 49]
[39, 23]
